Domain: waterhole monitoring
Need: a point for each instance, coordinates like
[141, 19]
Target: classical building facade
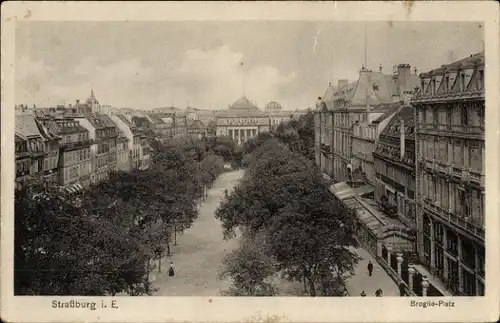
[276, 114]
[241, 121]
[450, 174]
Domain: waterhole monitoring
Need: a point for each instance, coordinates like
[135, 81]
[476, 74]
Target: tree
[284, 197]
[249, 269]
[309, 238]
[62, 249]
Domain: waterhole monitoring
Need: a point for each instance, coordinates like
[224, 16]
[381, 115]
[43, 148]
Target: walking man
[379, 292]
[370, 268]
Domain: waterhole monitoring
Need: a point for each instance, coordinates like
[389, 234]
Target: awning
[365, 189]
[74, 188]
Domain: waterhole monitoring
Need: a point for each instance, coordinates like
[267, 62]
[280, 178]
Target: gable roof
[392, 129]
[373, 88]
[196, 124]
[26, 126]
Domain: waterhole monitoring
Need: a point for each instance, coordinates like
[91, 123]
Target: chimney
[402, 139]
[342, 83]
[403, 75]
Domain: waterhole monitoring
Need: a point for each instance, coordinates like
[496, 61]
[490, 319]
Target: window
[444, 195]
[464, 115]
[480, 80]
[457, 153]
[462, 82]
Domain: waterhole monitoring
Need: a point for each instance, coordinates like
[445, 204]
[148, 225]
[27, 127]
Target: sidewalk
[362, 281]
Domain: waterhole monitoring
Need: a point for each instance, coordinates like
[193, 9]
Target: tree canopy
[284, 200]
[101, 241]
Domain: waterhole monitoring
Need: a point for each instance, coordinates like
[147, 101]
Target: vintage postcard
[250, 162]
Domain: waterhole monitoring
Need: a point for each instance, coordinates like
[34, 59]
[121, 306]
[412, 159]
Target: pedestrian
[370, 268]
[171, 271]
[379, 292]
[402, 289]
[363, 294]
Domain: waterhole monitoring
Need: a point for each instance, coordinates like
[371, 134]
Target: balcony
[327, 149]
[455, 219]
[75, 144]
[467, 129]
[476, 177]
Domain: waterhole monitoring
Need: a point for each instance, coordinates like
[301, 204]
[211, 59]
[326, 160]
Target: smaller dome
[273, 106]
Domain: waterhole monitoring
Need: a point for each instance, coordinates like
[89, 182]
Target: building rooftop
[448, 81]
[27, 126]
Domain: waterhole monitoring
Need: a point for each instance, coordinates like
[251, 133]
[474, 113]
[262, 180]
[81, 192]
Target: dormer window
[447, 84]
[462, 81]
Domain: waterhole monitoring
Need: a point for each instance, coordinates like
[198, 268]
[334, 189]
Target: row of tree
[289, 227]
[102, 242]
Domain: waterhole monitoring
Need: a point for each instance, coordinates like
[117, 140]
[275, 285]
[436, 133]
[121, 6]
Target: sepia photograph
[249, 158]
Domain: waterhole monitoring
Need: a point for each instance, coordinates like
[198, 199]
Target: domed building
[273, 106]
[276, 114]
[241, 121]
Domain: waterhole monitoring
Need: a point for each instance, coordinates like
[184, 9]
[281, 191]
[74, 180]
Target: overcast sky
[144, 65]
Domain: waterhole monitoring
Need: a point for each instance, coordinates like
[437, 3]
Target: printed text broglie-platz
[425, 304]
[84, 304]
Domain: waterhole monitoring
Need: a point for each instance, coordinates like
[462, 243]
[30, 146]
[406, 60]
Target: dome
[273, 106]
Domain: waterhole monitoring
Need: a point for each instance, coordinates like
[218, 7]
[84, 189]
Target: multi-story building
[51, 147]
[75, 160]
[241, 121]
[180, 124]
[364, 136]
[145, 152]
[324, 127]
[133, 135]
[450, 136]
[277, 114]
[23, 160]
[364, 100]
[205, 116]
[197, 129]
[29, 136]
[103, 150]
[161, 124]
[395, 167]
[122, 152]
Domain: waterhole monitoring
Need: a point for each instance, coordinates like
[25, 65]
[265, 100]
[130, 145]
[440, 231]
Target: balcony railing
[326, 148]
[453, 218]
[76, 144]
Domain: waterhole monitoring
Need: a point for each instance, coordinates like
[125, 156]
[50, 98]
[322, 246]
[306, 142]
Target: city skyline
[292, 62]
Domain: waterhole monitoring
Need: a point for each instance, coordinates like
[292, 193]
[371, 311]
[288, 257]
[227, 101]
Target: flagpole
[242, 80]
